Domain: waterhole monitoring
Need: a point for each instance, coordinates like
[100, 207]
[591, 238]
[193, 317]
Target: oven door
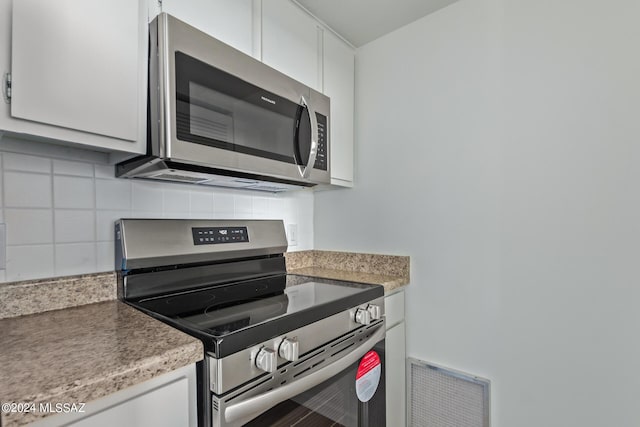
[349, 391]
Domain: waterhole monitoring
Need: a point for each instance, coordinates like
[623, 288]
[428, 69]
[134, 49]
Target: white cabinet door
[166, 406]
[230, 21]
[290, 42]
[78, 71]
[394, 308]
[395, 354]
[339, 86]
[395, 375]
[166, 401]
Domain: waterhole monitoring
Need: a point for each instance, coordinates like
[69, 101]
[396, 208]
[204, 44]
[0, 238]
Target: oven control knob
[288, 349]
[374, 311]
[266, 360]
[363, 316]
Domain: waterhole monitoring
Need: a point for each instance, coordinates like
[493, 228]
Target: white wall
[59, 205]
[498, 144]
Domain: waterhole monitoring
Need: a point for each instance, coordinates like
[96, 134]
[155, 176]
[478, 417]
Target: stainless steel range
[280, 349]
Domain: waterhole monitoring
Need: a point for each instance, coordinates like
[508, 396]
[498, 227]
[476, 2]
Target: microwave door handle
[313, 152]
[245, 411]
[296, 139]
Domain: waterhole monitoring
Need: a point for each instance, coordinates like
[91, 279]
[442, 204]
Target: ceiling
[361, 21]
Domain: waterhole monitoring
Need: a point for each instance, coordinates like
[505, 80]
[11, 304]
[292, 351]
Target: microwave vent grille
[176, 177]
[265, 187]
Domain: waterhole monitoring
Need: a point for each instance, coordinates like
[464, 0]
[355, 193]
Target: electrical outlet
[3, 246]
[292, 234]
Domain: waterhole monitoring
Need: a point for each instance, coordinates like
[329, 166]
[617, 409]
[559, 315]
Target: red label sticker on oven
[368, 376]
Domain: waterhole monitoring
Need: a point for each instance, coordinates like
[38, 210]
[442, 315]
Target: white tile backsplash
[243, 206]
[146, 214]
[75, 258]
[29, 226]
[105, 252]
[147, 197]
[29, 262]
[104, 224]
[260, 207]
[113, 194]
[290, 214]
[201, 202]
[73, 192]
[27, 190]
[24, 163]
[201, 215]
[104, 171]
[175, 200]
[176, 215]
[223, 205]
[64, 167]
[73, 226]
[77, 237]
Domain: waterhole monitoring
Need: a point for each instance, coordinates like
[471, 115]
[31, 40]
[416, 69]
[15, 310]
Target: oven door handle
[245, 411]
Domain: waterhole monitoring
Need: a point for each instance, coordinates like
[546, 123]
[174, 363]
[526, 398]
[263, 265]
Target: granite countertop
[67, 340]
[390, 271]
[390, 283]
[83, 353]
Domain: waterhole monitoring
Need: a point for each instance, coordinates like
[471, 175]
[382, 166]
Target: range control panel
[215, 235]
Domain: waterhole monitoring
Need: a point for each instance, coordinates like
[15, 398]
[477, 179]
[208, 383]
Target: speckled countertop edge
[36, 296]
[90, 301]
[83, 353]
[390, 271]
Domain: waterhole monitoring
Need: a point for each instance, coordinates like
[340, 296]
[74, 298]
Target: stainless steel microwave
[220, 117]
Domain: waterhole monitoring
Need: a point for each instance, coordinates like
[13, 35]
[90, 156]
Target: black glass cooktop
[231, 317]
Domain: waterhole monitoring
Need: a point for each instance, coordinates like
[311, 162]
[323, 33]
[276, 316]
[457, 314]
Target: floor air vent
[439, 397]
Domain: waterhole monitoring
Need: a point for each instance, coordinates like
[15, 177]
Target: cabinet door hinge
[6, 88]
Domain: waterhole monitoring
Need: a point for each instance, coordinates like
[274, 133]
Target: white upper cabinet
[291, 41]
[230, 21]
[78, 71]
[78, 68]
[338, 69]
[294, 43]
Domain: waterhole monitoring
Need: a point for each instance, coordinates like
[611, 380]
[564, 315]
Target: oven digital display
[215, 235]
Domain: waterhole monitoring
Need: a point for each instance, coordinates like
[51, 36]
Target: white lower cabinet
[395, 359]
[166, 401]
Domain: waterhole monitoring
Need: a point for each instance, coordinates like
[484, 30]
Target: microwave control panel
[321, 158]
[217, 235]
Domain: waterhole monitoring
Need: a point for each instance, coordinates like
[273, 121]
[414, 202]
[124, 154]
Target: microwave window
[214, 115]
[217, 109]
